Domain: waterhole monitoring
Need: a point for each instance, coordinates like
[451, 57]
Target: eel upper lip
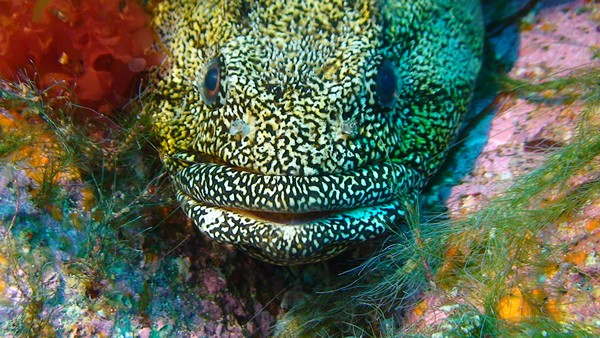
[220, 185]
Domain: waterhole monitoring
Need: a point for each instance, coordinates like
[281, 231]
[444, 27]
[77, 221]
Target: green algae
[495, 242]
[90, 242]
[499, 238]
[493, 245]
[71, 241]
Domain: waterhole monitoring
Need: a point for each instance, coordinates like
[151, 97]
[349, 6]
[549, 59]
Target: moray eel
[294, 129]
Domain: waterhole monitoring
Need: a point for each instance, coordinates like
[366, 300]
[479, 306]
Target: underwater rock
[82, 251]
[555, 277]
[83, 263]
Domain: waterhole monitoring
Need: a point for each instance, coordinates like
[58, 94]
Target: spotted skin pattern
[304, 151]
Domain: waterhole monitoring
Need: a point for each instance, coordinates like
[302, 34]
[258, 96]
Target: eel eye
[211, 82]
[386, 85]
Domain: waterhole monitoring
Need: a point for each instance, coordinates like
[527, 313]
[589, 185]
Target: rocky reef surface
[92, 242]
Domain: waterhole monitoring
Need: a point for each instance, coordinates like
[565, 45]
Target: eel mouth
[292, 219]
[288, 218]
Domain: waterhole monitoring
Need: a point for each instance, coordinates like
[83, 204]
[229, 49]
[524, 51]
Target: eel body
[294, 129]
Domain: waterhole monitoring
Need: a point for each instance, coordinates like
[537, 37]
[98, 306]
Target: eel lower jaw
[289, 238]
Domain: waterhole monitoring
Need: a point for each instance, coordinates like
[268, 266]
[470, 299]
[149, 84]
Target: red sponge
[97, 48]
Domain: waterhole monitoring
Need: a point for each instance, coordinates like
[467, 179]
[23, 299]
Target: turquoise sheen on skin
[294, 129]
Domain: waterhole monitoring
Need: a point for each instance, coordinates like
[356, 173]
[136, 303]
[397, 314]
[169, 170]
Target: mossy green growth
[71, 216]
[88, 246]
[480, 267]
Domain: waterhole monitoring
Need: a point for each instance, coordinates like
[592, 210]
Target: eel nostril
[239, 127]
[349, 127]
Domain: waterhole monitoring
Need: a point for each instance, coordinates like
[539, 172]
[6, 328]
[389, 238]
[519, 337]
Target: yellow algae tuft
[591, 225]
[513, 307]
[3, 266]
[39, 153]
[553, 309]
[55, 212]
[89, 199]
[76, 221]
[420, 309]
[576, 257]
